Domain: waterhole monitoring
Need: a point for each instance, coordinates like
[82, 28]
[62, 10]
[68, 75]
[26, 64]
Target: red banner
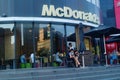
[111, 46]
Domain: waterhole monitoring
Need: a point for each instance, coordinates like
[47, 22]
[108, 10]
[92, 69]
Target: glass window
[7, 41]
[71, 35]
[42, 39]
[87, 43]
[32, 37]
[24, 39]
[58, 38]
[110, 13]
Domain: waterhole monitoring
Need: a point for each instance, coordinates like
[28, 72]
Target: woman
[74, 55]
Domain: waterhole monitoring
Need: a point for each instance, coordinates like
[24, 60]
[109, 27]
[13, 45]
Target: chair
[70, 62]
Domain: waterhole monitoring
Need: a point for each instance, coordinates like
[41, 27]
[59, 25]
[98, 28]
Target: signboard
[111, 46]
[81, 10]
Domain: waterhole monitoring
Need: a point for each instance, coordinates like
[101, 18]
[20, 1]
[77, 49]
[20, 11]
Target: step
[59, 75]
[51, 71]
[75, 77]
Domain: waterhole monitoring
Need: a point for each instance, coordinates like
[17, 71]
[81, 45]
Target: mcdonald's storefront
[44, 26]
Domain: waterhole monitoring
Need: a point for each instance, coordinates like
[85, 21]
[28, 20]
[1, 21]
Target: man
[57, 58]
[32, 59]
[113, 57]
[70, 46]
[23, 59]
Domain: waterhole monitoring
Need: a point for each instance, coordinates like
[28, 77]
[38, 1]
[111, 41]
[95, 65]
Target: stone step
[58, 75]
[74, 77]
[52, 71]
[113, 76]
[44, 70]
[93, 73]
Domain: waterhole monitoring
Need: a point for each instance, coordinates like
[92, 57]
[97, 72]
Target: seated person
[57, 58]
[75, 57]
[76, 53]
[113, 57]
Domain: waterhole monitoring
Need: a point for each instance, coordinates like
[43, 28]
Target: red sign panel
[110, 47]
[117, 12]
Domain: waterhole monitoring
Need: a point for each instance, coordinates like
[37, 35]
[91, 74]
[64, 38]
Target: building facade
[44, 26]
[108, 13]
[110, 10]
[117, 12]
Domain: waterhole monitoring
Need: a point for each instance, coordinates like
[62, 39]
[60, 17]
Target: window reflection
[42, 34]
[87, 43]
[24, 39]
[71, 35]
[58, 35]
[7, 41]
[42, 42]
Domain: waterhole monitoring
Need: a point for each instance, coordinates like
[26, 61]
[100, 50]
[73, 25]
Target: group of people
[73, 54]
[23, 59]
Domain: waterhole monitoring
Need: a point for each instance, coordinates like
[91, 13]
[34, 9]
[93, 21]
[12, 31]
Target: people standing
[70, 46]
[32, 59]
[23, 58]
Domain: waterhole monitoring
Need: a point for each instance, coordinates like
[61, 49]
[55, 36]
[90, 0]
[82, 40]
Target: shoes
[78, 66]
